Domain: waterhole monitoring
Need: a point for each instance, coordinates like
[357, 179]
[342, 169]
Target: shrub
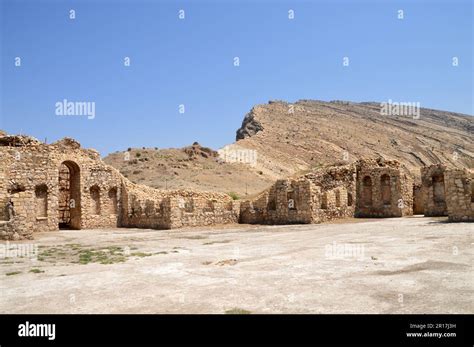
[13, 273]
[233, 195]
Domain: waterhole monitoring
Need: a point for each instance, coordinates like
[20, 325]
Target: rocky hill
[293, 138]
[192, 167]
[307, 134]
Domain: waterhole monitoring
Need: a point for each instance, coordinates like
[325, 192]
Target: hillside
[293, 138]
[194, 167]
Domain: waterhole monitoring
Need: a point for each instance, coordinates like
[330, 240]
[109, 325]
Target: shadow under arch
[69, 204]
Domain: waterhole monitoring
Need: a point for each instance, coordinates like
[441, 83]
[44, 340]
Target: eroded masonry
[367, 188]
[63, 186]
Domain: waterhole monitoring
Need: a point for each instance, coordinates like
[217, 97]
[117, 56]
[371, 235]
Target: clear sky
[191, 62]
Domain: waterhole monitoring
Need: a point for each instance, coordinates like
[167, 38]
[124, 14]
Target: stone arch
[113, 201]
[438, 188]
[366, 191]
[338, 198]
[69, 198]
[41, 197]
[385, 190]
[95, 199]
[418, 200]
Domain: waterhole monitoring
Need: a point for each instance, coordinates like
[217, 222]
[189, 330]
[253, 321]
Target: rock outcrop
[250, 126]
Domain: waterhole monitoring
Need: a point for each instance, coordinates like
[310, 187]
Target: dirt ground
[399, 265]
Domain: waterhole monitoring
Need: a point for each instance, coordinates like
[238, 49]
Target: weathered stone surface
[383, 189]
[434, 190]
[45, 187]
[335, 192]
[460, 194]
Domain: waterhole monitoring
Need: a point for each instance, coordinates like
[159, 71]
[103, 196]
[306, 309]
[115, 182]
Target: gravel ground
[396, 265]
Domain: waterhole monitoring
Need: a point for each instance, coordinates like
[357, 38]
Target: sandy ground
[402, 265]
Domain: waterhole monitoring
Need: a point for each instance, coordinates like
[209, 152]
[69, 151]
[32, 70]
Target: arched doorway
[113, 205]
[69, 204]
[367, 191]
[438, 189]
[386, 190]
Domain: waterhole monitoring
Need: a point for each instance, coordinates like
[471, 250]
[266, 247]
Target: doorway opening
[69, 204]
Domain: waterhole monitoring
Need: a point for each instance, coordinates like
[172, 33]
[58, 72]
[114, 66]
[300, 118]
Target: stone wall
[333, 204]
[434, 190]
[460, 194]
[383, 190]
[30, 180]
[418, 199]
[313, 198]
[286, 202]
[335, 192]
[145, 207]
[64, 186]
[47, 187]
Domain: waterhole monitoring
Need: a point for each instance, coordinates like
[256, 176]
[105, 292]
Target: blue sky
[191, 62]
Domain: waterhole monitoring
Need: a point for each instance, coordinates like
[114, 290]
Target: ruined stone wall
[333, 204]
[418, 199]
[190, 209]
[367, 188]
[460, 195]
[434, 190]
[30, 180]
[146, 207]
[293, 202]
[286, 202]
[64, 186]
[255, 211]
[313, 198]
[335, 194]
[332, 177]
[383, 190]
